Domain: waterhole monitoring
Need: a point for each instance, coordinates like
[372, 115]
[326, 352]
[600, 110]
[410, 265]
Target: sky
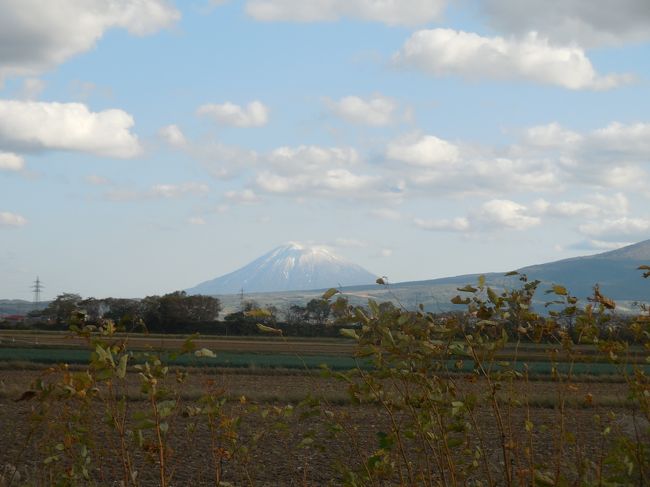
[149, 145]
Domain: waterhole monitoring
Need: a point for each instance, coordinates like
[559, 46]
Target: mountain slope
[292, 267]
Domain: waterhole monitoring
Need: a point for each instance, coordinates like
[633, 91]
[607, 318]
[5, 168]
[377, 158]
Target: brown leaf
[26, 396]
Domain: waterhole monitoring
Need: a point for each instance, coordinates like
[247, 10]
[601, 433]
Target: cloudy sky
[148, 145]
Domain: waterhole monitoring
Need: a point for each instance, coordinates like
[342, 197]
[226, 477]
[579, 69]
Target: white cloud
[493, 215]
[314, 170]
[255, 114]
[629, 140]
[36, 35]
[391, 12]
[11, 162]
[376, 111]
[443, 225]
[591, 244]
[551, 135]
[496, 214]
[35, 126]
[245, 196]
[178, 190]
[596, 207]
[11, 219]
[450, 52]
[173, 135]
[617, 229]
[423, 150]
[589, 23]
[312, 158]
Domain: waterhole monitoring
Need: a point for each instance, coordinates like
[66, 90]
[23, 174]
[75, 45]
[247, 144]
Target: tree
[318, 310]
[62, 307]
[177, 308]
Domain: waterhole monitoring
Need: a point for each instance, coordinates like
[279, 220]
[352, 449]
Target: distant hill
[292, 267]
[18, 307]
[615, 271]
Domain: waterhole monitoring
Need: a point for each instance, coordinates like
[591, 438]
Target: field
[290, 441]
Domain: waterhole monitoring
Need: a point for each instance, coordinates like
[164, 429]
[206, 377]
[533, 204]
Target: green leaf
[348, 332]
[467, 289]
[258, 313]
[361, 316]
[330, 292]
[459, 300]
[492, 296]
[121, 367]
[385, 441]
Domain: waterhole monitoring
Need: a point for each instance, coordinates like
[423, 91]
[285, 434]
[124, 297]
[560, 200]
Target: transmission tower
[37, 288]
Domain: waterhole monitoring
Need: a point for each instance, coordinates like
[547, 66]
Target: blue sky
[148, 145]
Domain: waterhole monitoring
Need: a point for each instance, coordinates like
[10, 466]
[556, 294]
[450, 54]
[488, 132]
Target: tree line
[179, 312]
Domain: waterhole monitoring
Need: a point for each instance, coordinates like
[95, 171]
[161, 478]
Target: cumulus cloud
[245, 196]
[375, 111]
[595, 207]
[255, 114]
[450, 52]
[391, 12]
[314, 170]
[591, 244]
[178, 190]
[36, 35]
[8, 219]
[589, 23]
[460, 224]
[493, 215]
[546, 158]
[551, 135]
[11, 162]
[628, 140]
[423, 150]
[497, 214]
[617, 229]
[173, 135]
[36, 126]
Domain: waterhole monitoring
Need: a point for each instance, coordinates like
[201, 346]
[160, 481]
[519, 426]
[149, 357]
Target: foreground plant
[447, 428]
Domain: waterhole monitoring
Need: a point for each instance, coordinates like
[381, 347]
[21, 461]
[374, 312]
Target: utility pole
[37, 288]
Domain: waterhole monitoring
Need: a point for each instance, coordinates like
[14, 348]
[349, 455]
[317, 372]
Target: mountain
[615, 271]
[292, 267]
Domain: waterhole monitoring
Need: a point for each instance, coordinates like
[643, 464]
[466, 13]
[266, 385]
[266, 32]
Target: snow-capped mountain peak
[291, 267]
